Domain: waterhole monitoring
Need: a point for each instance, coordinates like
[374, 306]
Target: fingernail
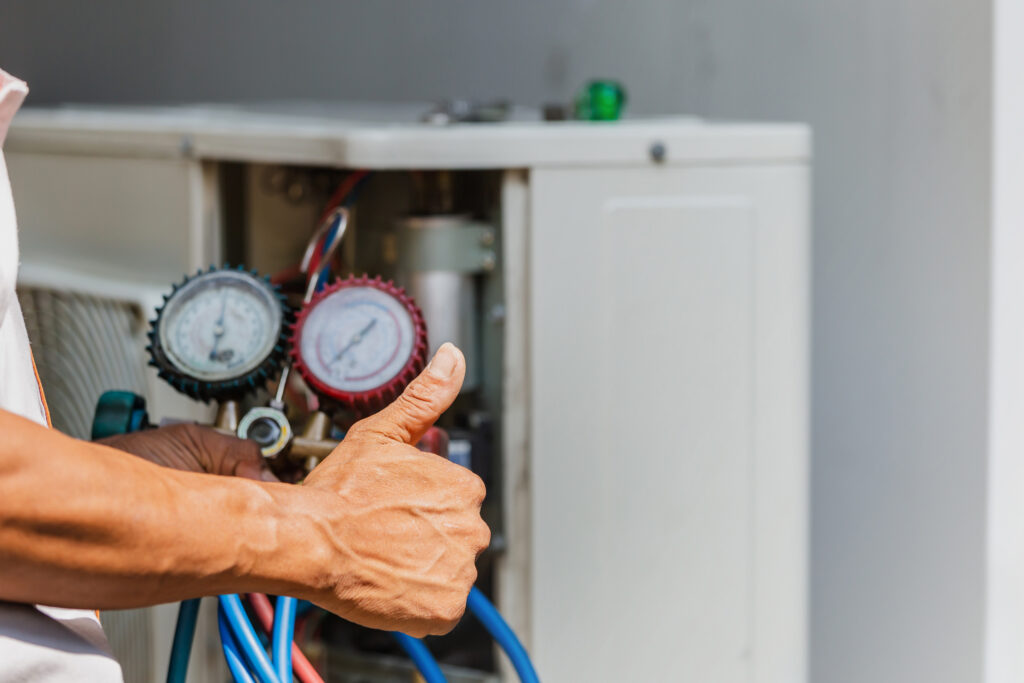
[267, 475]
[444, 361]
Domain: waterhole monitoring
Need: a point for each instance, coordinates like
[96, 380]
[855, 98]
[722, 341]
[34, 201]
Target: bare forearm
[84, 525]
[380, 533]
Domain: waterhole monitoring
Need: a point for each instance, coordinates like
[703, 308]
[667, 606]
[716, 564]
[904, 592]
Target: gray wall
[898, 94]
[531, 50]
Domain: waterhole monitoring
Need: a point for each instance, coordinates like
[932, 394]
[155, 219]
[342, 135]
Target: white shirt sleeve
[37, 644]
[19, 391]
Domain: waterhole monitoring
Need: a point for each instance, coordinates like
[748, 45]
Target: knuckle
[461, 476]
[470, 579]
[416, 402]
[367, 432]
[483, 536]
[477, 488]
[419, 631]
[470, 484]
[439, 627]
[420, 390]
[452, 612]
[358, 429]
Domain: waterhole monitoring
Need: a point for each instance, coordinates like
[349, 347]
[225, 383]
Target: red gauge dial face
[360, 342]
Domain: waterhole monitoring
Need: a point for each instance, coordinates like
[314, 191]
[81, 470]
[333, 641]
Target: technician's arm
[381, 533]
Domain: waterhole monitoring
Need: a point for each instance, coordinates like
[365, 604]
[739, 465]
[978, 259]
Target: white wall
[1004, 624]
[898, 92]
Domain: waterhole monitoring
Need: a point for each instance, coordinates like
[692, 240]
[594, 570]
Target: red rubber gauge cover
[359, 342]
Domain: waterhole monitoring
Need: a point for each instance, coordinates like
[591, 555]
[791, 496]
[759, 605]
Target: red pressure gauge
[359, 342]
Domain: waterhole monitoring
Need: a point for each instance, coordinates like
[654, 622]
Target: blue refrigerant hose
[244, 652]
[489, 616]
[232, 654]
[248, 641]
[284, 634]
[421, 657]
[184, 633]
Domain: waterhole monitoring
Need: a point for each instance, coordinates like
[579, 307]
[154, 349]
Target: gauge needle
[218, 327]
[356, 338]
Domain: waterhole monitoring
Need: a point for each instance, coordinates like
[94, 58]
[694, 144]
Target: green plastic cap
[601, 100]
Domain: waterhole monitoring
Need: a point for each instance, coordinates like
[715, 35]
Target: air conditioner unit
[641, 342]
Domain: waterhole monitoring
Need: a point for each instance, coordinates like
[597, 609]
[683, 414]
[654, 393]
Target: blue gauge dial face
[220, 326]
[357, 339]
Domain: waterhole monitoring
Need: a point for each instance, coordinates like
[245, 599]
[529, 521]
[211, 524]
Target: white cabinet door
[669, 430]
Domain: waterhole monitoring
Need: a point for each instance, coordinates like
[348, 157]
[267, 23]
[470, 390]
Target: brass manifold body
[305, 449]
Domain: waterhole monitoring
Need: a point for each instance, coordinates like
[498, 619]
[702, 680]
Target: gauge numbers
[220, 325]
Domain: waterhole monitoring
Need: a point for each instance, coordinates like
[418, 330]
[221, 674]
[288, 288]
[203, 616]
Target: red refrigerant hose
[265, 613]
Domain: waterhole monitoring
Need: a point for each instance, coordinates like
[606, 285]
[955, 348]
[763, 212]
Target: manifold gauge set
[225, 333]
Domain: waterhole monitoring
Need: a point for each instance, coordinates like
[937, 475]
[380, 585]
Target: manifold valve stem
[269, 428]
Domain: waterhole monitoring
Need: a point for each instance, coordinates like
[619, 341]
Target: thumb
[254, 469]
[242, 458]
[422, 402]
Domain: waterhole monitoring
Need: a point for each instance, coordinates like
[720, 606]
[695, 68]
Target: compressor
[222, 335]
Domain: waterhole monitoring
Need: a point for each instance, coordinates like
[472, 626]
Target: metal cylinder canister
[439, 259]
